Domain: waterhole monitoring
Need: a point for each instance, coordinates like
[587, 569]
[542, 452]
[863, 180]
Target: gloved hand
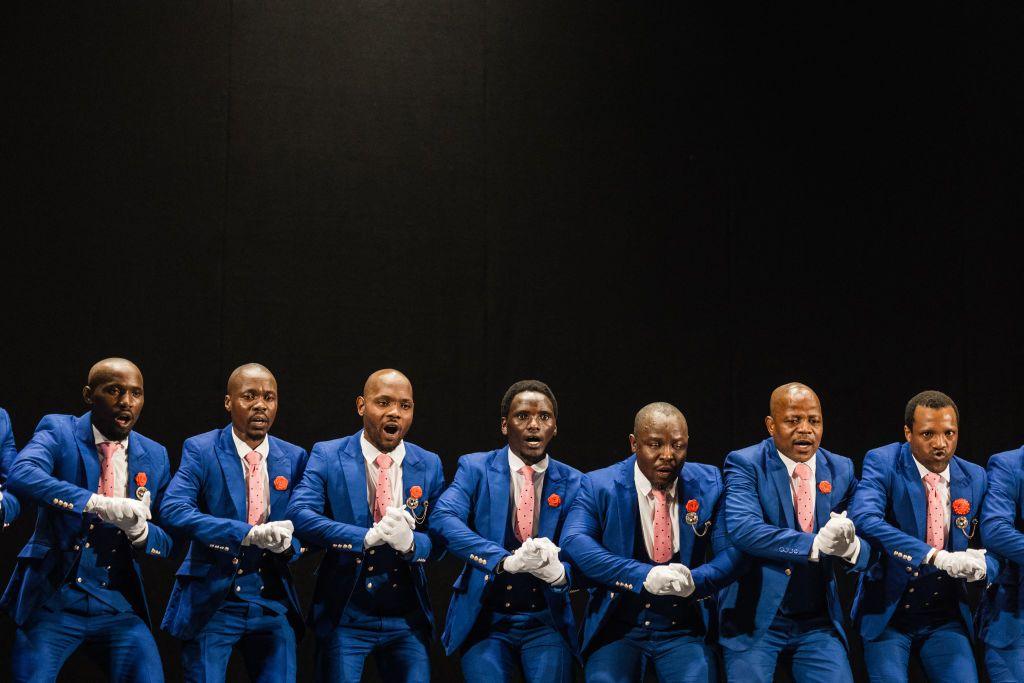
[269, 536]
[396, 531]
[838, 537]
[284, 530]
[978, 569]
[551, 571]
[121, 512]
[959, 565]
[672, 579]
[374, 536]
[401, 515]
[139, 530]
[526, 558]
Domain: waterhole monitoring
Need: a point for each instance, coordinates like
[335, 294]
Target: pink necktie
[524, 510]
[106, 487]
[936, 520]
[382, 496]
[256, 502]
[662, 528]
[804, 500]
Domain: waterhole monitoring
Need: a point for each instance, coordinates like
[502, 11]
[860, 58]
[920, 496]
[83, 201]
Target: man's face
[933, 437]
[530, 425]
[796, 425]
[660, 446]
[386, 409]
[252, 403]
[116, 401]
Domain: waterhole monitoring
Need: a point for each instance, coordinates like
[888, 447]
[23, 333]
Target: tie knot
[383, 461]
[659, 495]
[933, 480]
[107, 448]
[253, 458]
[526, 471]
[802, 471]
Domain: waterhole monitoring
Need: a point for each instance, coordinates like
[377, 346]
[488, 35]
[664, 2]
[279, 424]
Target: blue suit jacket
[1001, 617]
[206, 502]
[473, 516]
[330, 510]
[9, 506]
[889, 510]
[59, 471]
[759, 521]
[601, 528]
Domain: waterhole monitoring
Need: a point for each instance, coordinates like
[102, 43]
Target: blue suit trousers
[400, 648]
[944, 650]
[502, 645]
[811, 649]
[1006, 664]
[266, 641]
[623, 653]
[74, 618]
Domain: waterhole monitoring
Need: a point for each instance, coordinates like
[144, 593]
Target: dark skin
[660, 440]
[251, 402]
[530, 425]
[933, 437]
[386, 407]
[795, 422]
[114, 394]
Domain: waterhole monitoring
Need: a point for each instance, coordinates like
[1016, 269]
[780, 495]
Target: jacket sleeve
[9, 506]
[727, 563]
[429, 544]
[581, 540]
[993, 560]
[180, 508]
[31, 476]
[307, 508]
[450, 517]
[745, 523]
[863, 558]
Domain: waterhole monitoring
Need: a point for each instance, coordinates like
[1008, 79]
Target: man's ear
[906, 432]
[227, 403]
[360, 405]
[504, 427]
[769, 423]
[87, 395]
[632, 443]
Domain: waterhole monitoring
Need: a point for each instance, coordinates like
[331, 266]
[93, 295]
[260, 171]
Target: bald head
[386, 376]
[795, 421]
[386, 407]
[251, 402]
[787, 393]
[653, 412]
[114, 394]
[109, 367]
[239, 374]
[660, 440]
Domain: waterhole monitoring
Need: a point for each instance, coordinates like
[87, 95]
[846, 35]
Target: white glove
[374, 536]
[139, 530]
[959, 565]
[396, 531]
[978, 568]
[121, 512]
[272, 536]
[838, 537]
[672, 579]
[285, 530]
[401, 515]
[551, 571]
[526, 558]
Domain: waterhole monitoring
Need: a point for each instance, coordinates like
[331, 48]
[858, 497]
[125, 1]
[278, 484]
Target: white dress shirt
[263, 449]
[943, 500]
[515, 463]
[370, 454]
[854, 553]
[645, 498]
[120, 456]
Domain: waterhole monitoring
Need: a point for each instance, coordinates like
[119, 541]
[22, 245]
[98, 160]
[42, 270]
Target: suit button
[611, 595]
[369, 586]
[240, 571]
[372, 551]
[647, 623]
[487, 577]
[909, 570]
[91, 527]
[87, 544]
[261, 587]
[534, 590]
[103, 584]
[77, 548]
[359, 560]
[533, 606]
[915, 575]
[234, 560]
[370, 568]
[508, 604]
[79, 579]
[910, 590]
[394, 585]
[788, 571]
[508, 587]
[906, 606]
[647, 606]
[238, 589]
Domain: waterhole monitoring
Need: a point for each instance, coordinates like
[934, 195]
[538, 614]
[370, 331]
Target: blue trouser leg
[622, 653]
[401, 651]
[266, 640]
[500, 645]
[819, 655]
[617, 658]
[944, 650]
[683, 658]
[404, 655]
[1006, 664]
[814, 649]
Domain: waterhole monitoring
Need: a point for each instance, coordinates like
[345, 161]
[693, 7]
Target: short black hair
[527, 385]
[928, 399]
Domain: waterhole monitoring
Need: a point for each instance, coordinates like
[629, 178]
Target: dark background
[632, 202]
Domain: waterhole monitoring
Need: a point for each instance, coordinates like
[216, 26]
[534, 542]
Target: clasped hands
[838, 537]
[537, 556]
[964, 564]
[273, 536]
[127, 514]
[670, 579]
[394, 528]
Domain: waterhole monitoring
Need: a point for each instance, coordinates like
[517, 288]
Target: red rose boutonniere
[961, 506]
[554, 500]
[280, 483]
[692, 505]
[141, 479]
[825, 487]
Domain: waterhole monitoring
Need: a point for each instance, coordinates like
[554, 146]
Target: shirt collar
[244, 449]
[924, 471]
[644, 487]
[791, 464]
[370, 451]
[515, 463]
[98, 436]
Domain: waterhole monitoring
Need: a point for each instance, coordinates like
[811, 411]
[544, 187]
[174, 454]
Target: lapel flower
[692, 505]
[140, 479]
[415, 492]
[554, 500]
[961, 506]
[825, 487]
[280, 483]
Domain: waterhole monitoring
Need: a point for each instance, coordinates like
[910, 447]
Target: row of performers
[694, 575]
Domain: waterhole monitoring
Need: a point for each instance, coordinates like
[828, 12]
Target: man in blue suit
[229, 499]
[639, 531]
[77, 580]
[366, 499]
[9, 507]
[917, 504]
[1001, 618]
[503, 515]
[785, 503]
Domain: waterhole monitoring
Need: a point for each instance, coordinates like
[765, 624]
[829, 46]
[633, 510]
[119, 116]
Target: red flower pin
[140, 479]
[961, 506]
[825, 487]
[280, 483]
[415, 492]
[554, 500]
[692, 505]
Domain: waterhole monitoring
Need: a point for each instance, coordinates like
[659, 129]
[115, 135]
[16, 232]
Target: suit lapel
[779, 476]
[498, 482]
[413, 474]
[554, 484]
[139, 462]
[234, 475]
[353, 465]
[626, 507]
[822, 501]
[278, 466]
[687, 489]
[959, 487]
[914, 494]
[87, 452]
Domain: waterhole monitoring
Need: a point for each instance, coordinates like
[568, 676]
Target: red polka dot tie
[257, 503]
[803, 499]
[106, 487]
[524, 509]
[382, 496]
[936, 520]
[662, 528]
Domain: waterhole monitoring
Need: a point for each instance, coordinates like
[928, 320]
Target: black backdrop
[633, 202]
